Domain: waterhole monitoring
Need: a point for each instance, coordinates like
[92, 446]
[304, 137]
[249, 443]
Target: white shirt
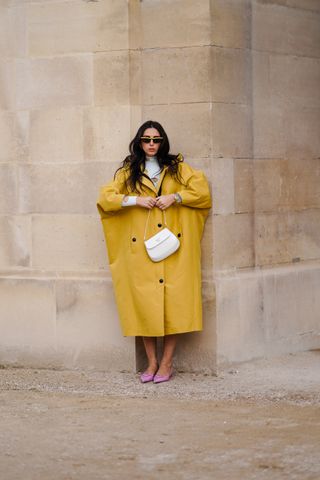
[152, 169]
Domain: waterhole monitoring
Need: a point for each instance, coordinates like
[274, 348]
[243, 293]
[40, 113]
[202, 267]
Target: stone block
[176, 75]
[231, 76]
[14, 136]
[231, 23]
[302, 132]
[223, 185]
[53, 82]
[65, 27]
[240, 321]
[295, 80]
[12, 31]
[9, 199]
[69, 188]
[180, 23]
[107, 133]
[233, 241]
[286, 184]
[291, 311]
[56, 135]
[243, 185]
[188, 126]
[268, 184]
[287, 237]
[27, 314]
[294, 30]
[111, 78]
[232, 130]
[269, 124]
[15, 241]
[135, 74]
[7, 82]
[75, 242]
[88, 330]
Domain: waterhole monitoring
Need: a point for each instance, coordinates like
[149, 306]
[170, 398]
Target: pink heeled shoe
[162, 378]
[146, 377]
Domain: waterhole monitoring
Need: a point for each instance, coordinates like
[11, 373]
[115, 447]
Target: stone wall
[236, 85]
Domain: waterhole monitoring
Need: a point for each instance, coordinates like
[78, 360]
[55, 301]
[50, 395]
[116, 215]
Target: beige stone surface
[231, 23]
[223, 183]
[66, 26]
[285, 184]
[295, 80]
[188, 125]
[12, 31]
[55, 81]
[232, 130]
[263, 309]
[175, 24]
[106, 133]
[233, 242]
[14, 136]
[15, 241]
[56, 135]
[7, 86]
[27, 314]
[111, 78]
[73, 188]
[231, 75]
[287, 237]
[9, 189]
[294, 30]
[269, 130]
[243, 185]
[88, 326]
[303, 139]
[75, 242]
[176, 75]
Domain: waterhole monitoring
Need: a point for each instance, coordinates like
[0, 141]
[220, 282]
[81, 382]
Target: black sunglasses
[148, 139]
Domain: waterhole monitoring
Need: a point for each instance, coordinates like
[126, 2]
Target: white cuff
[129, 201]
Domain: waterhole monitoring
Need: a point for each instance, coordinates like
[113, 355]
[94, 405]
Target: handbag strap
[147, 221]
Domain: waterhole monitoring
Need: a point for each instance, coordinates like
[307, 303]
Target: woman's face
[151, 148]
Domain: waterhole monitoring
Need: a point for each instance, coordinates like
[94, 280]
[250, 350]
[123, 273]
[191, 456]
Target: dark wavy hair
[135, 162]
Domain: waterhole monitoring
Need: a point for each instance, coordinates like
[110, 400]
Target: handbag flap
[158, 238]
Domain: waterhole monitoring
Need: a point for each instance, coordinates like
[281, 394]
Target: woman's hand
[146, 202]
[165, 201]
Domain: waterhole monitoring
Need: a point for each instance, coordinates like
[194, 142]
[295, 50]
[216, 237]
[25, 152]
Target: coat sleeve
[111, 195]
[196, 194]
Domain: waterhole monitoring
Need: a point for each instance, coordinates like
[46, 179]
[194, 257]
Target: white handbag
[162, 244]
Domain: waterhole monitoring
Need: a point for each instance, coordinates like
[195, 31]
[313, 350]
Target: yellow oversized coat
[156, 299]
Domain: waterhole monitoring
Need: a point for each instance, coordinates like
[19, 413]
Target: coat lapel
[149, 184]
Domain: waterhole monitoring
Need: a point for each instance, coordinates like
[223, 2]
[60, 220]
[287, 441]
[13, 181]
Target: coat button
[159, 225]
[134, 239]
[179, 234]
[161, 280]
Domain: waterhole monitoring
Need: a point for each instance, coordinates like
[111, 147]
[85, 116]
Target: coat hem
[162, 335]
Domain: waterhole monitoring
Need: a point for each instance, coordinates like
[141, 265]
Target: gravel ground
[257, 420]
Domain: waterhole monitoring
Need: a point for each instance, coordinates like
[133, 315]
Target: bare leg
[151, 352]
[169, 345]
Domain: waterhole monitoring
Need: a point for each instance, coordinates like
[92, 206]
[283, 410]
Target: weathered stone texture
[111, 78]
[62, 129]
[67, 26]
[175, 24]
[15, 241]
[51, 82]
[75, 242]
[176, 75]
[72, 187]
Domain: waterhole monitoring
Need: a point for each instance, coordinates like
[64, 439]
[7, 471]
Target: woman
[155, 299]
